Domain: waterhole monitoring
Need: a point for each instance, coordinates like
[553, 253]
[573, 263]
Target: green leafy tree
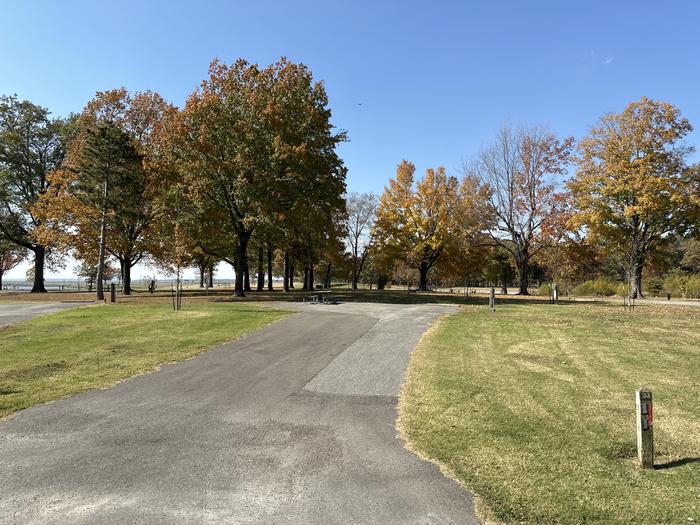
[31, 146]
[499, 268]
[88, 270]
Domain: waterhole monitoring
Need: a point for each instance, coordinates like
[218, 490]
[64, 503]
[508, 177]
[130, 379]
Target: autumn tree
[177, 246]
[10, 256]
[31, 146]
[100, 184]
[522, 169]
[253, 145]
[572, 258]
[138, 115]
[418, 224]
[632, 188]
[361, 211]
[690, 255]
[130, 233]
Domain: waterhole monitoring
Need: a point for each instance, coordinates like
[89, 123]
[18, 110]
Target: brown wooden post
[645, 428]
[112, 293]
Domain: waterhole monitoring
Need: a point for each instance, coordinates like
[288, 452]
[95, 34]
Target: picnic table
[320, 297]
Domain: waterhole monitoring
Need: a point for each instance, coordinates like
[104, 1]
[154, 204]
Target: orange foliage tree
[254, 149]
[632, 188]
[422, 223]
[75, 224]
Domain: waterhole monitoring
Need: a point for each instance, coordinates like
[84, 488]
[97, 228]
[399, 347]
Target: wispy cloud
[594, 62]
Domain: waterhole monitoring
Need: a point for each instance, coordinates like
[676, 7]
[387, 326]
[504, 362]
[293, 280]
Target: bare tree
[361, 211]
[521, 169]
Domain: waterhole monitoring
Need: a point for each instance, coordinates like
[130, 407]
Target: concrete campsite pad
[11, 313]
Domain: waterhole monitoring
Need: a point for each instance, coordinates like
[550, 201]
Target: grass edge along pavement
[480, 508]
[533, 410]
[72, 351]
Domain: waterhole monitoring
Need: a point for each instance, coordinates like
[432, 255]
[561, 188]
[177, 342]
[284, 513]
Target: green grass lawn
[75, 350]
[532, 408]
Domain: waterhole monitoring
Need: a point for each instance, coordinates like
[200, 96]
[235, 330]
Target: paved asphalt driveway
[292, 424]
[15, 312]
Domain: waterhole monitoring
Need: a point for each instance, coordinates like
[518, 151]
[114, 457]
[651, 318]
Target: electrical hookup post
[645, 428]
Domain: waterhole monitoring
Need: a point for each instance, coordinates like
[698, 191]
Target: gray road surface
[292, 424]
[15, 312]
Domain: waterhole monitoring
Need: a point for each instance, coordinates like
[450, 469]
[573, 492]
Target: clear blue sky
[435, 79]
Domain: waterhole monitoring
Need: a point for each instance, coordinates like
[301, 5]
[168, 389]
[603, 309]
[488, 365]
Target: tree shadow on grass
[676, 463]
[379, 296]
[345, 295]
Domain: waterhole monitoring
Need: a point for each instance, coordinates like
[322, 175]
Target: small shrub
[621, 290]
[654, 286]
[676, 283]
[585, 288]
[693, 286]
[605, 286]
[600, 286]
[545, 290]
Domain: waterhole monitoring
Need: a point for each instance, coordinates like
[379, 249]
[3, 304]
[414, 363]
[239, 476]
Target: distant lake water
[58, 285]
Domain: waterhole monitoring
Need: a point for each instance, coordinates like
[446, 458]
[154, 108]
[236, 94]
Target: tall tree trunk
[285, 285]
[327, 280]
[522, 262]
[291, 276]
[635, 277]
[121, 269]
[261, 270]
[363, 258]
[39, 260]
[269, 268]
[423, 270]
[210, 276]
[240, 267]
[306, 278]
[311, 286]
[246, 276]
[202, 269]
[101, 257]
[353, 285]
[1, 279]
[126, 276]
